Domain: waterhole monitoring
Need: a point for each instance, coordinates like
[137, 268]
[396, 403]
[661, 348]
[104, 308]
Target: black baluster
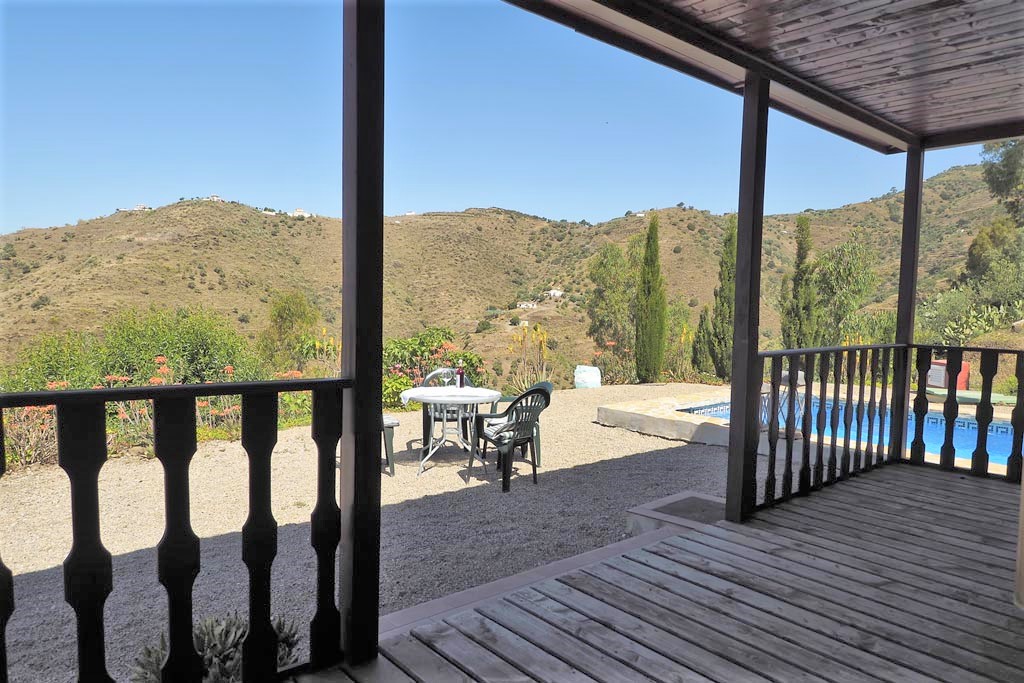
[848, 410]
[983, 414]
[837, 380]
[773, 428]
[819, 461]
[259, 537]
[1014, 462]
[804, 485]
[862, 371]
[869, 452]
[924, 363]
[951, 408]
[325, 528]
[88, 576]
[174, 441]
[883, 408]
[791, 385]
[6, 577]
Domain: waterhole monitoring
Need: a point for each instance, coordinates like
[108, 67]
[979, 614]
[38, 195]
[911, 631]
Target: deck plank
[913, 531]
[380, 670]
[813, 613]
[583, 657]
[688, 627]
[713, 665]
[498, 639]
[918, 513]
[940, 548]
[861, 538]
[974, 654]
[902, 574]
[807, 574]
[478, 661]
[937, 590]
[421, 662]
[599, 636]
[797, 655]
[809, 632]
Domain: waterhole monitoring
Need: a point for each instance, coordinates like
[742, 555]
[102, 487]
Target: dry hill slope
[440, 268]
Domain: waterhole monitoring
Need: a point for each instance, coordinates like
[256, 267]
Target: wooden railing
[88, 578]
[828, 414]
[949, 458]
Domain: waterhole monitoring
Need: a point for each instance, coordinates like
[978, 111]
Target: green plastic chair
[389, 424]
[536, 428]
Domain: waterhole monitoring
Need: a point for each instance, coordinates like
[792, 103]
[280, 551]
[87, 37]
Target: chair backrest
[441, 377]
[524, 413]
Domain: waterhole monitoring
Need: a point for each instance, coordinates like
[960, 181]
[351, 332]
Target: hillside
[440, 268]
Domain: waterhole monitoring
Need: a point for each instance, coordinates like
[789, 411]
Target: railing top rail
[45, 398]
[969, 349]
[828, 349]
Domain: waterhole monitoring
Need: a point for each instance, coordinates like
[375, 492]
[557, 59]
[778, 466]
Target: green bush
[392, 386]
[197, 343]
[219, 642]
[483, 326]
[63, 357]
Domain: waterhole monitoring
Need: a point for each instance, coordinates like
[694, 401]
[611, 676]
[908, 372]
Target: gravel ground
[439, 533]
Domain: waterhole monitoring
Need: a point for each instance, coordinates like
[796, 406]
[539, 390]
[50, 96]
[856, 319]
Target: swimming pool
[965, 431]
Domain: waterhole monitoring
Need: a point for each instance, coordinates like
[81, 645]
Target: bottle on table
[460, 376]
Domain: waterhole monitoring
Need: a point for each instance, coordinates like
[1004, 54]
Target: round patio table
[465, 400]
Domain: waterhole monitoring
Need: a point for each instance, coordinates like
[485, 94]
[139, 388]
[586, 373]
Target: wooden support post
[907, 300]
[362, 337]
[744, 431]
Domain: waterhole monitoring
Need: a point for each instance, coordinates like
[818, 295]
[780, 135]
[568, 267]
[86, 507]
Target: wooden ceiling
[934, 72]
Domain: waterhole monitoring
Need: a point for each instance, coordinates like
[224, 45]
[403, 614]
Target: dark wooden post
[362, 322]
[744, 430]
[907, 296]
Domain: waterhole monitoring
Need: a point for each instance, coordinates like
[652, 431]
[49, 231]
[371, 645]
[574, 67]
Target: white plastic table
[465, 400]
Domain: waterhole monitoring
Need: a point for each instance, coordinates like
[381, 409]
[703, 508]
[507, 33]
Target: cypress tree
[724, 305]
[702, 362]
[650, 310]
[800, 305]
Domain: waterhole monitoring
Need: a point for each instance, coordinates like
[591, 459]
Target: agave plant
[218, 640]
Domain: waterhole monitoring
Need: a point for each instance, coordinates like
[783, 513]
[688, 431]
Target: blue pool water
[965, 432]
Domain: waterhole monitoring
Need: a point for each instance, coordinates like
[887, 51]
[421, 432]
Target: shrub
[196, 342]
[514, 320]
[530, 363]
[40, 302]
[219, 642]
[677, 249]
[483, 326]
[393, 384]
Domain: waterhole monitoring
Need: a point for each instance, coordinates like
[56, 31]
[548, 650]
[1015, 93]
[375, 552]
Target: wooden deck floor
[903, 574]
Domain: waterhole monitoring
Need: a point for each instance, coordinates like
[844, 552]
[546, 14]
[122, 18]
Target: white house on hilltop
[300, 213]
[215, 198]
[527, 304]
[554, 293]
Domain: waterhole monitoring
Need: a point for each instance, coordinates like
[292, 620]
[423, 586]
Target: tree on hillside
[843, 276]
[799, 304]
[722, 313]
[702, 344]
[712, 344]
[1003, 168]
[293, 321]
[650, 310]
[996, 241]
[610, 304]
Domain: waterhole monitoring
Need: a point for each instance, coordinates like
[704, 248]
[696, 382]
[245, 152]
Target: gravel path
[439, 534]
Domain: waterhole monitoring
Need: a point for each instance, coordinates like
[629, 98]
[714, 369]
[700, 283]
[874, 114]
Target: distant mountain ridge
[441, 268]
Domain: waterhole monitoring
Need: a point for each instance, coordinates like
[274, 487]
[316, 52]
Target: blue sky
[109, 105]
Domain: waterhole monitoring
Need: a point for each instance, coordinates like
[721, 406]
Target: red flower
[160, 360]
[229, 369]
[156, 380]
